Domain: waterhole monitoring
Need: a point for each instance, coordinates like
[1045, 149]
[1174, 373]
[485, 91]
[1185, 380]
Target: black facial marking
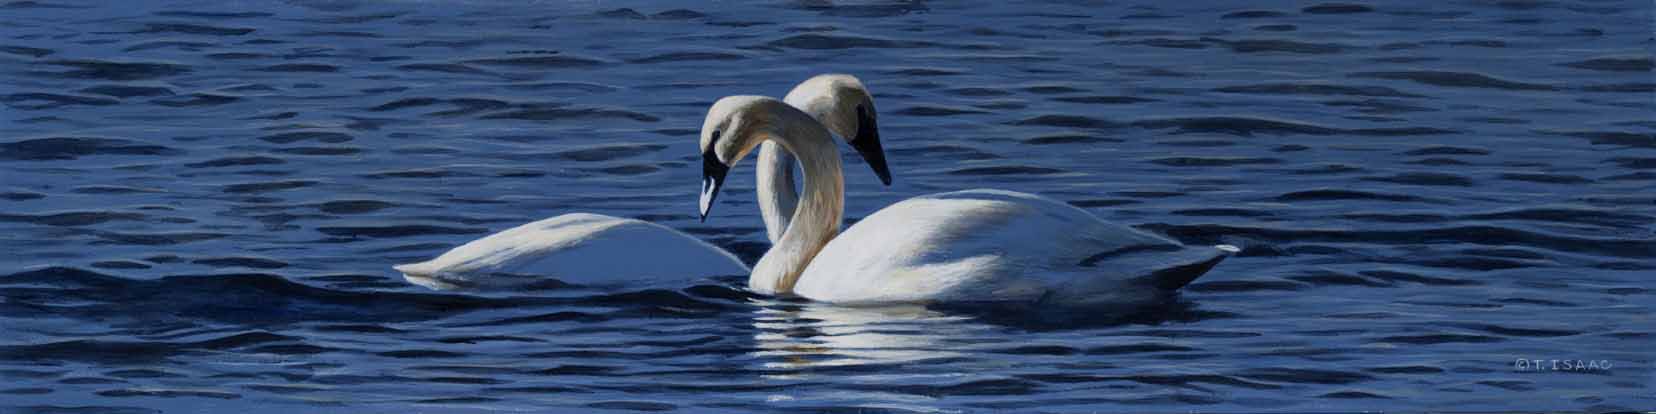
[709, 154]
[867, 144]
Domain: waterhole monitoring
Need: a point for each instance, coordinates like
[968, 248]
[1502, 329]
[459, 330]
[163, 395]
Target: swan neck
[777, 194]
[816, 217]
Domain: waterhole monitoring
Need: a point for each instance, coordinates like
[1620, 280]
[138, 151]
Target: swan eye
[709, 153]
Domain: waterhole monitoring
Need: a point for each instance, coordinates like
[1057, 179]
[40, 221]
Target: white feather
[578, 248]
[993, 246]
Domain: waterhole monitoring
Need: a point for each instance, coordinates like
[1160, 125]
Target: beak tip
[882, 171]
[713, 175]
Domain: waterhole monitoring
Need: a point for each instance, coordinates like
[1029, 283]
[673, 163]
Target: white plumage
[997, 246]
[578, 248]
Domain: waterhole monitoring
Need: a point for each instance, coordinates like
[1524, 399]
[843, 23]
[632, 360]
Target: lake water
[200, 202]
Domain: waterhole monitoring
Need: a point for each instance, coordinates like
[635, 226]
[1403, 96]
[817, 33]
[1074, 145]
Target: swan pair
[596, 249]
[965, 246]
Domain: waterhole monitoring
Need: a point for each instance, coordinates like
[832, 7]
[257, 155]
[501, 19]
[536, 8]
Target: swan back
[985, 245]
[579, 248]
[506, 246]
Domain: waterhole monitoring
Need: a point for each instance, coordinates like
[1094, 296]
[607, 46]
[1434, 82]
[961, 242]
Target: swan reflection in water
[805, 342]
[797, 337]
[907, 357]
[800, 338]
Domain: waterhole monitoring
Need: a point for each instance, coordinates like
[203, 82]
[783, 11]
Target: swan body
[997, 246]
[968, 246]
[579, 248]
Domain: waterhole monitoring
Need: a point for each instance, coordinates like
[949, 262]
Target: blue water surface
[200, 202]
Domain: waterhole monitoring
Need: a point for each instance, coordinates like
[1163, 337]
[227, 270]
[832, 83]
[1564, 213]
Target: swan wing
[985, 245]
[578, 248]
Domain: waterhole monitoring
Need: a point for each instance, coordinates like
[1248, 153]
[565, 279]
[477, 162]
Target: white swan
[966, 246]
[587, 248]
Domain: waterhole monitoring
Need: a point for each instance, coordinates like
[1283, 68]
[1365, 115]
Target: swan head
[844, 106]
[728, 135]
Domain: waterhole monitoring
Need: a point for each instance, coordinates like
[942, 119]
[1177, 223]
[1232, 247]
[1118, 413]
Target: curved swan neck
[816, 219]
[831, 100]
[777, 195]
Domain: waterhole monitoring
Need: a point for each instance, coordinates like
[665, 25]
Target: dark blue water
[200, 202]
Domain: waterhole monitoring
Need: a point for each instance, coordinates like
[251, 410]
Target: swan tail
[1157, 270]
[427, 274]
[1174, 277]
[416, 269]
[1166, 267]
